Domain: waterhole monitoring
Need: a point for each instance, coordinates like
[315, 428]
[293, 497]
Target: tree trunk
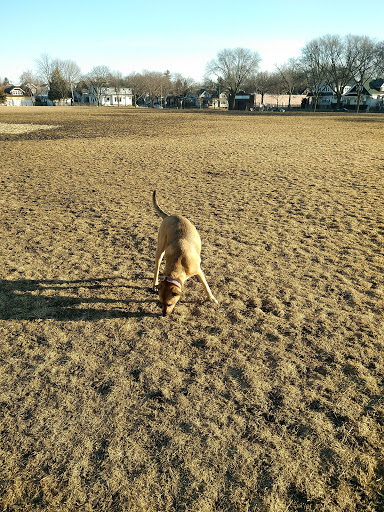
[358, 99]
[338, 104]
[314, 102]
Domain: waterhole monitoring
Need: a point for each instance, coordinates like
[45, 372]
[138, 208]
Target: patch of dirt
[16, 129]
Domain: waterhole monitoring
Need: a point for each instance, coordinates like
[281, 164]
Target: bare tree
[166, 84]
[337, 61]
[136, 82]
[313, 65]
[261, 83]
[98, 80]
[28, 77]
[69, 71]
[379, 58]
[152, 80]
[365, 65]
[45, 67]
[181, 87]
[156, 85]
[292, 77]
[277, 86]
[340, 62]
[117, 83]
[232, 67]
[71, 74]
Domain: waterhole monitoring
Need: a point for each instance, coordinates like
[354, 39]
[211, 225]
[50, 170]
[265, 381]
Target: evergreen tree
[58, 89]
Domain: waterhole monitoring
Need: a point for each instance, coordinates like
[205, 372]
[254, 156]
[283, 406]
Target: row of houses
[371, 98]
[30, 95]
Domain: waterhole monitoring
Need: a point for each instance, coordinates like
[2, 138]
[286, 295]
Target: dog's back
[177, 234]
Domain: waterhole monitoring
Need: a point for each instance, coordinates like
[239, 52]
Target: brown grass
[271, 401]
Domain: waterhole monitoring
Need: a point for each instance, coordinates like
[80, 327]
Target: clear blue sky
[179, 36]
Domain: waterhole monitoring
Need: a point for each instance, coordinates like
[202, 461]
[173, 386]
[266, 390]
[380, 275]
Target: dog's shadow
[24, 299]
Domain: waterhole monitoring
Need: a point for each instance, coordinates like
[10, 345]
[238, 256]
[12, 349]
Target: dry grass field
[271, 401]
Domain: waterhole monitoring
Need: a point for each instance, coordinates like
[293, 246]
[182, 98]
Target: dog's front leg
[203, 281]
[158, 258]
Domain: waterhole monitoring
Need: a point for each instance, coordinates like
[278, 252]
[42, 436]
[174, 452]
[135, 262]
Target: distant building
[371, 96]
[280, 101]
[253, 101]
[17, 97]
[245, 101]
[110, 97]
[219, 100]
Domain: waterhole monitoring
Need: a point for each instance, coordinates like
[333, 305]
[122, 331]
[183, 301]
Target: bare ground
[271, 401]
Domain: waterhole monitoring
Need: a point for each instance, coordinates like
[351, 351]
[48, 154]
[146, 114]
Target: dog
[179, 240]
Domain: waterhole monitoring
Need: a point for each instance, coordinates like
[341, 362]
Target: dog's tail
[157, 207]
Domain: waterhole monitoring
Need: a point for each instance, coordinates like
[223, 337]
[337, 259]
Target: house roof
[376, 84]
[367, 90]
[9, 89]
[353, 91]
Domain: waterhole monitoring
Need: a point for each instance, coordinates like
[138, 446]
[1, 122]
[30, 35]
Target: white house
[372, 96]
[111, 97]
[327, 98]
[17, 97]
[219, 100]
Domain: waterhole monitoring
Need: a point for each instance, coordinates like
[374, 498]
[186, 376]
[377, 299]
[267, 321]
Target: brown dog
[180, 242]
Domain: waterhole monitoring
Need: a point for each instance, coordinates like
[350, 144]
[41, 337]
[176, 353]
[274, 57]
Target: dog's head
[169, 294]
